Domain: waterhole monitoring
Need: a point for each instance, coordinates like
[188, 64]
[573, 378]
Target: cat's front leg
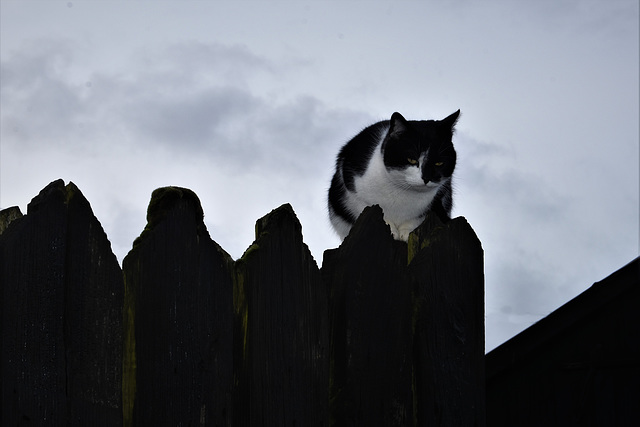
[402, 231]
[405, 229]
[394, 230]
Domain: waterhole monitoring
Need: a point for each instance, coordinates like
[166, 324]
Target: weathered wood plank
[7, 216]
[281, 329]
[61, 315]
[33, 259]
[93, 319]
[446, 268]
[387, 334]
[178, 319]
[371, 330]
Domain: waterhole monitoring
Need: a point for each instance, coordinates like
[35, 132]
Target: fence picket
[179, 304]
[384, 334]
[282, 368]
[61, 302]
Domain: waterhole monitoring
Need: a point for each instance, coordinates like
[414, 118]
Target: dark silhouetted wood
[178, 319]
[7, 216]
[446, 267]
[281, 329]
[61, 290]
[93, 319]
[33, 355]
[386, 334]
[371, 332]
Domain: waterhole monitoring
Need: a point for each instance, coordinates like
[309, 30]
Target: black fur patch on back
[354, 157]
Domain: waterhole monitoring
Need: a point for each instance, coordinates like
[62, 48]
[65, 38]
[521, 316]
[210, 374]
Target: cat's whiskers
[372, 169]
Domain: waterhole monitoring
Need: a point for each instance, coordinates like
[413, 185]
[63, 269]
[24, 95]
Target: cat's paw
[394, 231]
[404, 236]
[399, 233]
[404, 230]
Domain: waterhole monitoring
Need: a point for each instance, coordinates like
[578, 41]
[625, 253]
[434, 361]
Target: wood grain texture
[384, 334]
[371, 333]
[179, 339]
[281, 329]
[448, 280]
[61, 315]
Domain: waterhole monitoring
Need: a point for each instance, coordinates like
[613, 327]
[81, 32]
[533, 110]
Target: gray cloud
[171, 102]
[37, 100]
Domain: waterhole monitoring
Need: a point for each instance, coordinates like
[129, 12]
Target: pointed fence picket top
[7, 216]
[61, 296]
[281, 332]
[384, 334]
[407, 325]
[371, 333]
[447, 275]
[178, 359]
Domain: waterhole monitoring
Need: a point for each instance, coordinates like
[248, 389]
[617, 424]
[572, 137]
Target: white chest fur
[402, 194]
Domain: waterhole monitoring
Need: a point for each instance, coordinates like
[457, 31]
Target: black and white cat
[404, 166]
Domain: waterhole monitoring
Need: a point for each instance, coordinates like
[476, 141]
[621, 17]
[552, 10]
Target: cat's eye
[412, 161]
[439, 164]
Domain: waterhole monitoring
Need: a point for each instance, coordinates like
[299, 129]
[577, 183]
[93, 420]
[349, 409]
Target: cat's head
[419, 155]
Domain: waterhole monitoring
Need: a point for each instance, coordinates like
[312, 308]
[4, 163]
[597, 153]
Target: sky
[247, 103]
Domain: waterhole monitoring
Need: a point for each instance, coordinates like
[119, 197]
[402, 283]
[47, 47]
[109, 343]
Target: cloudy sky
[247, 103]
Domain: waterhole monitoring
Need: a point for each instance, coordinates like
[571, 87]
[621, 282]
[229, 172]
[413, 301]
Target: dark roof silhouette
[580, 365]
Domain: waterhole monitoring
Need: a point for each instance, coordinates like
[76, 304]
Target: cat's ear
[397, 124]
[451, 120]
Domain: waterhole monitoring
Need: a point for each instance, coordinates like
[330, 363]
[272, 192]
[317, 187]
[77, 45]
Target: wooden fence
[386, 333]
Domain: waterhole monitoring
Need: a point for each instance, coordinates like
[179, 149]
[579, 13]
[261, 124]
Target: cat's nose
[435, 179]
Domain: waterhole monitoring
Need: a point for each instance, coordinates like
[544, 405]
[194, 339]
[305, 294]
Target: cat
[404, 166]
